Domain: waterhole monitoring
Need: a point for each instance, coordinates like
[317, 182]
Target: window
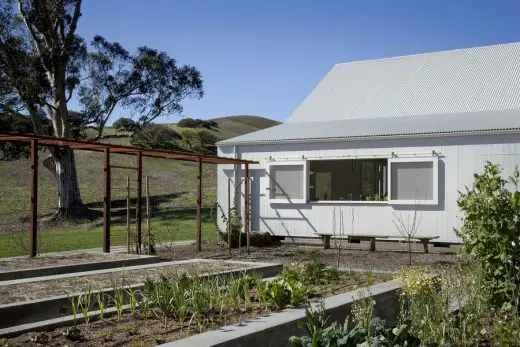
[414, 180]
[404, 181]
[288, 182]
[349, 180]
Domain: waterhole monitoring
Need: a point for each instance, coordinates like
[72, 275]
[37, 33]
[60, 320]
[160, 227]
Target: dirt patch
[353, 258]
[42, 289]
[23, 263]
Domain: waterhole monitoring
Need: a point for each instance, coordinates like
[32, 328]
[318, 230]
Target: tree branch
[37, 41]
[73, 25]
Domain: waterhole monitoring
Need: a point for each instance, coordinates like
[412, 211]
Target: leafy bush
[233, 225]
[491, 228]
[313, 273]
[125, 124]
[197, 123]
[199, 141]
[318, 332]
[156, 136]
[279, 293]
[423, 305]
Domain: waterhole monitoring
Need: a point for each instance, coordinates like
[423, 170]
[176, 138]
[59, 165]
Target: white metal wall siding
[461, 158]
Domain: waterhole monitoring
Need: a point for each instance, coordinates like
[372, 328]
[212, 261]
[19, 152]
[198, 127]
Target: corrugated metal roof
[458, 81]
[454, 123]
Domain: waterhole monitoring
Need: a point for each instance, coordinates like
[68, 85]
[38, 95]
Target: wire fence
[168, 206]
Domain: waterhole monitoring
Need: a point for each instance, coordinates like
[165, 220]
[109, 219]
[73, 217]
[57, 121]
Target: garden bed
[59, 259]
[134, 329]
[46, 288]
[20, 268]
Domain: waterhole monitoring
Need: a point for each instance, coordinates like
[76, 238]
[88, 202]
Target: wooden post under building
[106, 203]
[33, 231]
[199, 205]
[138, 201]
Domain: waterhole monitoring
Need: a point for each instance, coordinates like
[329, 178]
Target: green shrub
[156, 136]
[491, 228]
[319, 332]
[233, 224]
[312, 273]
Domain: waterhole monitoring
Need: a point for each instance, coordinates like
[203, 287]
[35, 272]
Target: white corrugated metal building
[379, 139]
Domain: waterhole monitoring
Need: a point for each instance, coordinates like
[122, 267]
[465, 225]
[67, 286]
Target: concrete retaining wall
[276, 329]
[81, 267]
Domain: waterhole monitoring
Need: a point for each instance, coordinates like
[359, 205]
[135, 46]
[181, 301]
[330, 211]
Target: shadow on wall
[262, 223]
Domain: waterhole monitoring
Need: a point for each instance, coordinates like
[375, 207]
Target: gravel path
[353, 258]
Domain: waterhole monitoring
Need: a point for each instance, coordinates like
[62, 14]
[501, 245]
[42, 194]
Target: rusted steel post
[33, 232]
[138, 201]
[148, 231]
[229, 214]
[127, 214]
[199, 205]
[106, 203]
[246, 207]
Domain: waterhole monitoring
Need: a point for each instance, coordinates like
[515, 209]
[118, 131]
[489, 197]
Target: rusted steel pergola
[107, 149]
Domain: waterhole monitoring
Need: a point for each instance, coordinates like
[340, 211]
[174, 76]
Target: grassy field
[172, 192]
[179, 228]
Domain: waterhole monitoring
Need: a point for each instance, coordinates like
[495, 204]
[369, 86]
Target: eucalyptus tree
[44, 64]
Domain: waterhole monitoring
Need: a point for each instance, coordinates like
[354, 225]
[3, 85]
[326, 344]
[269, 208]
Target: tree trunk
[62, 164]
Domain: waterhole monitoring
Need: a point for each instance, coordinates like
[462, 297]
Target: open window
[288, 182]
[348, 180]
[414, 181]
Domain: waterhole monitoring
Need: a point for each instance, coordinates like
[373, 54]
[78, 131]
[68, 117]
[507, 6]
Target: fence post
[127, 214]
[33, 237]
[139, 198]
[106, 203]
[199, 205]
[148, 214]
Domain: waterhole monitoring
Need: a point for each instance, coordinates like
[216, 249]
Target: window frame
[305, 182]
[435, 178]
[353, 202]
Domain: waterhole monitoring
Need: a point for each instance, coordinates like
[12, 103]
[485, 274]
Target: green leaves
[318, 333]
[491, 227]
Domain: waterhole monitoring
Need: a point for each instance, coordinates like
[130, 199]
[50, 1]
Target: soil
[130, 331]
[389, 259]
[135, 331]
[21, 263]
[42, 289]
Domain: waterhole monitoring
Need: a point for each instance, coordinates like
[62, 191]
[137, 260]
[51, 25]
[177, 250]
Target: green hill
[239, 125]
[172, 190]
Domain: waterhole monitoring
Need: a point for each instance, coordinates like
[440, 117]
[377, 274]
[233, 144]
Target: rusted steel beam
[97, 146]
[246, 207]
[138, 215]
[106, 203]
[123, 167]
[199, 206]
[33, 231]
[14, 138]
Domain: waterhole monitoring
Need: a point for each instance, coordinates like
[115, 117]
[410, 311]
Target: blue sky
[265, 57]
